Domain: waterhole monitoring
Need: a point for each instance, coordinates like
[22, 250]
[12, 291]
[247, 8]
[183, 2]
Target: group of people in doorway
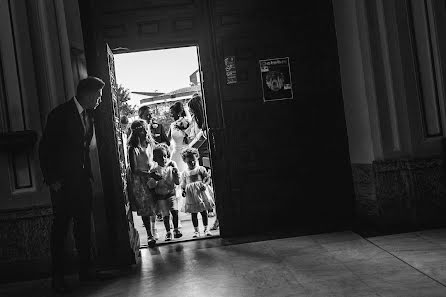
[166, 173]
[162, 168]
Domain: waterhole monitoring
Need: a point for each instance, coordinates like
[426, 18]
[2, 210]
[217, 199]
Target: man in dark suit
[65, 163]
[158, 132]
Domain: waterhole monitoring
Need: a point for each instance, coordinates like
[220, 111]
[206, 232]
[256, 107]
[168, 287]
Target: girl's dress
[145, 205]
[178, 136]
[196, 199]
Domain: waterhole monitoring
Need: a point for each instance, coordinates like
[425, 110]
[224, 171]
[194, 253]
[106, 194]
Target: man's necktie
[87, 136]
[85, 121]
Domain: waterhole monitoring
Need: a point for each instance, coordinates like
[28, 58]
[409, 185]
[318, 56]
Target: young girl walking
[195, 185]
[140, 146]
[163, 178]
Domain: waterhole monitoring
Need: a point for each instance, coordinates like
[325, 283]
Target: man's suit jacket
[64, 146]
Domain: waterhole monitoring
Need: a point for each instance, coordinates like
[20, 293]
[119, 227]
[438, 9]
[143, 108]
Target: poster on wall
[231, 73]
[276, 79]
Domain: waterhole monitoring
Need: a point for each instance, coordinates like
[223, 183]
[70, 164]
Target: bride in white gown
[178, 133]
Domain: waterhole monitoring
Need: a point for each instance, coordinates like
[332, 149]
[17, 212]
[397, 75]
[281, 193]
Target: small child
[195, 185]
[163, 178]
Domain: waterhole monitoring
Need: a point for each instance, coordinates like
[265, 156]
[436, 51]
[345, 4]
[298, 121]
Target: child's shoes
[168, 236]
[151, 242]
[177, 233]
[207, 232]
[215, 226]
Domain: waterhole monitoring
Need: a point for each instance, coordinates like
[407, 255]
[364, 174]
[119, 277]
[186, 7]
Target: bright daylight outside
[160, 88]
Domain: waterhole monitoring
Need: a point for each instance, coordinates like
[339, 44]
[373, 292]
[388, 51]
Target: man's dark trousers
[72, 202]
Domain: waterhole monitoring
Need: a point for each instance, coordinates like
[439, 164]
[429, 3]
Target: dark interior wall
[278, 166]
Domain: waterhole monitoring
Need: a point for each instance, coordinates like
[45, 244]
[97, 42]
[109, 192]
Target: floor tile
[324, 265]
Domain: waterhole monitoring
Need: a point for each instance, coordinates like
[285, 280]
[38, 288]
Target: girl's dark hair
[135, 127]
[178, 108]
[189, 152]
[196, 106]
[160, 147]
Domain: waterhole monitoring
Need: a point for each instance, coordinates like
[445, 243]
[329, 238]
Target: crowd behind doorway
[169, 173]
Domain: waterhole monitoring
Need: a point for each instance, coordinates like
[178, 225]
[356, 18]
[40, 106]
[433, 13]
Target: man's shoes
[59, 286]
[168, 236]
[196, 234]
[92, 277]
[177, 233]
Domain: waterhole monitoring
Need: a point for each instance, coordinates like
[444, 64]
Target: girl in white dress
[195, 185]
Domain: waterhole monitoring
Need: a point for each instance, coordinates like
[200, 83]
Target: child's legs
[166, 221]
[195, 219]
[164, 208]
[146, 221]
[204, 217]
[172, 203]
[174, 213]
[153, 221]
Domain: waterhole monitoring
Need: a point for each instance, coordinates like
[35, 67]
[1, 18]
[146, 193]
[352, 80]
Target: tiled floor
[334, 264]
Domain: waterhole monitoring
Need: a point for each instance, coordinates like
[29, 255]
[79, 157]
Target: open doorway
[158, 82]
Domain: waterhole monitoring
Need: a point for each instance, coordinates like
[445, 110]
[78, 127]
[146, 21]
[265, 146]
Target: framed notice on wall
[231, 72]
[276, 79]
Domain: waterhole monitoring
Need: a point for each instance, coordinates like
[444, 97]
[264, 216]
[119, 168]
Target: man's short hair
[143, 109]
[89, 85]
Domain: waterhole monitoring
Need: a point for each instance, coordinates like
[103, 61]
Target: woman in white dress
[178, 134]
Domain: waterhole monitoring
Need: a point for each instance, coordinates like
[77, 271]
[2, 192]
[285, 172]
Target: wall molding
[20, 214]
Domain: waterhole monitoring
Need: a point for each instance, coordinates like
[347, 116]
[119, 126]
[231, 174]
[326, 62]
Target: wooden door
[121, 245]
[287, 162]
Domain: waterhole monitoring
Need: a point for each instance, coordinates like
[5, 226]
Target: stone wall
[399, 195]
[25, 245]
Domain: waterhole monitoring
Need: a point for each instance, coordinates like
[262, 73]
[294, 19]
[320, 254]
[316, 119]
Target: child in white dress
[195, 185]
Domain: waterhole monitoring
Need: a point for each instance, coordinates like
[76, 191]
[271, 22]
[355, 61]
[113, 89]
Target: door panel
[290, 168]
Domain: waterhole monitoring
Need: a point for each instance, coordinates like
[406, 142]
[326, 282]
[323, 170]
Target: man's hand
[56, 186]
